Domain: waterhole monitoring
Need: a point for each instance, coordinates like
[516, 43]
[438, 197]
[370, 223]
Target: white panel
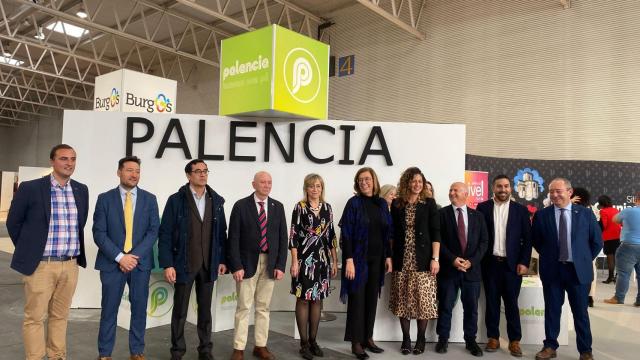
[6, 189]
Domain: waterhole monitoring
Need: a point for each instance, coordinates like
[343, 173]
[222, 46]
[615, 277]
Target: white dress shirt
[266, 203]
[465, 216]
[567, 217]
[201, 202]
[500, 217]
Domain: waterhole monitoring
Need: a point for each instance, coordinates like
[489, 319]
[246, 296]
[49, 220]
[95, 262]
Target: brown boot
[493, 345]
[104, 357]
[546, 353]
[586, 356]
[613, 300]
[237, 355]
[262, 353]
[514, 348]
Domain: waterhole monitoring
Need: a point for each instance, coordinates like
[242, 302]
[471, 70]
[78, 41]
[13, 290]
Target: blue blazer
[28, 222]
[586, 242]
[109, 230]
[518, 240]
[175, 231]
[477, 240]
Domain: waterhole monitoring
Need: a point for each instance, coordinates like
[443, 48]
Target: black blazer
[244, 232]
[518, 240]
[426, 229]
[28, 222]
[477, 239]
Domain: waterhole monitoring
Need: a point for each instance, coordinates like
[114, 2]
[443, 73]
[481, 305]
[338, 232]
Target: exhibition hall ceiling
[52, 50]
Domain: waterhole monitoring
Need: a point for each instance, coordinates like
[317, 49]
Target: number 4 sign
[346, 65]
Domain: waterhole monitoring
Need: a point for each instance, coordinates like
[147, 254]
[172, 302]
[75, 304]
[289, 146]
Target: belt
[500, 258]
[58, 258]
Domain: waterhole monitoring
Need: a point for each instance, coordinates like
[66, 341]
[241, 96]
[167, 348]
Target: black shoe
[305, 352]
[405, 348]
[590, 301]
[473, 348]
[441, 346]
[361, 356]
[419, 348]
[608, 281]
[315, 349]
[372, 347]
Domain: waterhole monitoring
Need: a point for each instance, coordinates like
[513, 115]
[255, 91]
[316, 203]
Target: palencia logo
[108, 102]
[302, 75]
[159, 303]
[532, 311]
[243, 68]
[160, 104]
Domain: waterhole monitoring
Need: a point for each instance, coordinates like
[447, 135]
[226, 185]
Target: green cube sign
[274, 71]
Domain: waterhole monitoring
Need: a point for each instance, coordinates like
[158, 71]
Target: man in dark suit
[125, 227]
[257, 257]
[463, 244]
[193, 233]
[568, 238]
[506, 260]
[46, 224]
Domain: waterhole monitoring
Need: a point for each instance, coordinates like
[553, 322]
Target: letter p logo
[302, 75]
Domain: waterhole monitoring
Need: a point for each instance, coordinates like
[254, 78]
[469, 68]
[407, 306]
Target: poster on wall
[477, 186]
[530, 178]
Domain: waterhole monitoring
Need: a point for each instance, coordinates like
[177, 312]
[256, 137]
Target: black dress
[314, 237]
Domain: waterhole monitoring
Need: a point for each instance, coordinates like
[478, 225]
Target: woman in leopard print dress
[416, 247]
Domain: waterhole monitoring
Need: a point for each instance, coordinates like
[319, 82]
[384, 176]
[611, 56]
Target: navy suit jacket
[477, 239]
[109, 229]
[586, 242]
[28, 222]
[518, 235]
[244, 231]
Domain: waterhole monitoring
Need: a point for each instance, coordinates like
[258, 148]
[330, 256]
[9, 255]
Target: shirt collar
[463, 207]
[499, 203]
[568, 207]
[256, 200]
[123, 191]
[56, 184]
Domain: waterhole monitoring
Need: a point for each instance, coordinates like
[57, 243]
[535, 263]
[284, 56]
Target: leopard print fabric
[413, 293]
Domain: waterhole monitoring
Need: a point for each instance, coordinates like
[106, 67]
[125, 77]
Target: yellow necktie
[128, 222]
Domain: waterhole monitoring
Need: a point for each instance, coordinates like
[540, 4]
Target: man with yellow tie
[125, 227]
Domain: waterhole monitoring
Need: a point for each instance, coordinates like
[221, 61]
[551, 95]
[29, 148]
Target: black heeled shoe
[405, 348]
[419, 348]
[305, 352]
[608, 281]
[315, 349]
[360, 355]
[371, 346]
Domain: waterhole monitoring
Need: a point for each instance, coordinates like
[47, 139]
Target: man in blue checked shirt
[46, 224]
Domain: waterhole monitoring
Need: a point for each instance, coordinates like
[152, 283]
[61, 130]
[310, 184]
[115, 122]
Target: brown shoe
[586, 356]
[262, 353]
[546, 353]
[493, 345]
[104, 357]
[137, 357]
[237, 355]
[514, 348]
[613, 300]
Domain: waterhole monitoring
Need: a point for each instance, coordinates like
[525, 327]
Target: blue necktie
[562, 237]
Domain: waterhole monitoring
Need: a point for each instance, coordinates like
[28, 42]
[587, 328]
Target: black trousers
[361, 305]
[181, 295]
[501, 284]
[448, 294]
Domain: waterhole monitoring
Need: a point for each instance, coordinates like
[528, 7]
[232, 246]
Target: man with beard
[507, 259]
[125, 227]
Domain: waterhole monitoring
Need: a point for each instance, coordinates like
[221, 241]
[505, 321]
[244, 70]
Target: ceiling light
[82, 14]
[10, 61]
[39, 34]
[68, 29]
[6, 54]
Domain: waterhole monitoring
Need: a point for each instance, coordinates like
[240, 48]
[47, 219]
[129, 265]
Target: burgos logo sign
[161, 103]
[302, 75]
[159, 303]
[108, 102]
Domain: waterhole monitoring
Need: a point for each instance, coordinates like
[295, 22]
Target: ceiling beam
[394, 15]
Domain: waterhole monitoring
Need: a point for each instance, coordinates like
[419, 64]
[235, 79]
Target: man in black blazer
[506, 260]
[46, 224]
[462, 246]
[257, 256]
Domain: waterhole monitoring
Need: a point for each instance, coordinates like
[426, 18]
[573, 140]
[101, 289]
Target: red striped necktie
[262, 220]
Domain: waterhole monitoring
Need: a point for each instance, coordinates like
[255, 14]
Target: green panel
[245, 72]
[302, 74]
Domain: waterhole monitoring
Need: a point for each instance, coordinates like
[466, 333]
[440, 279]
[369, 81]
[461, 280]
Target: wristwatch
[435, 259]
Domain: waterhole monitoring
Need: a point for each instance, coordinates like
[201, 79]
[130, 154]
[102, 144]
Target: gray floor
[616, 331]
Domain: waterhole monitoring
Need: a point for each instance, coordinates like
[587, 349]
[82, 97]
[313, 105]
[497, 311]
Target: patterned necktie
[461, 233]
[128, 223]
[562, 237]
[262, 220]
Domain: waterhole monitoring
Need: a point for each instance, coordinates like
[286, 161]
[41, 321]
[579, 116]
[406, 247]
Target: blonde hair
[310, 180]
[386, 189]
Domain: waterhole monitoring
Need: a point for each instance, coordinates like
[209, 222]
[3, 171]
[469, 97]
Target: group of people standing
[435, 254]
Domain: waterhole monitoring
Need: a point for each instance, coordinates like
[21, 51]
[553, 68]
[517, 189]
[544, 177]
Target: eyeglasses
[201, 172]
[365, 180]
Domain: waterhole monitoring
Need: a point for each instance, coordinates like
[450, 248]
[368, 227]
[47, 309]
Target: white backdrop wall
[99, 139]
